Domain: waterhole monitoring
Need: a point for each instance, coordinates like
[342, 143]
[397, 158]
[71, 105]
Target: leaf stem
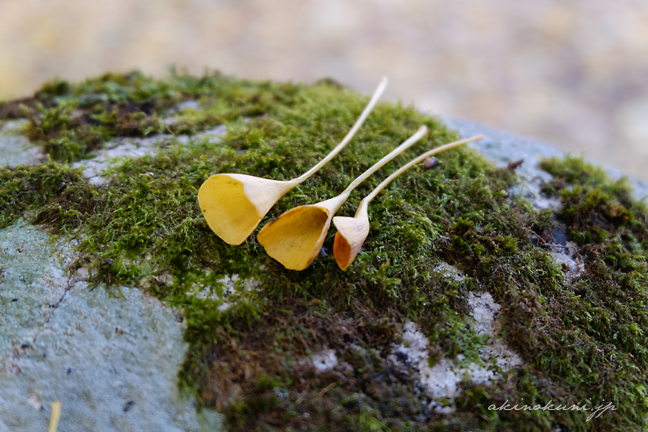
[417, 160]
[420, 133]
[363, 116]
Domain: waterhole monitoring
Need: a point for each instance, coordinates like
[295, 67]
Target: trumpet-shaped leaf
[351, 235]
[234, 204]
[352, 232]
[295, 238]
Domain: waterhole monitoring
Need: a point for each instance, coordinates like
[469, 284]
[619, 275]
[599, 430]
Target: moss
[612, 231]
[70, 120]
[583, 340]
[60, 194]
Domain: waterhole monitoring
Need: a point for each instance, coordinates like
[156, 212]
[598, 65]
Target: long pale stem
[418, 160]
[363, 116]
[398, 150]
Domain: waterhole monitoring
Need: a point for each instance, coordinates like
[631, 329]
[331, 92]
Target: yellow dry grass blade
[55, 417]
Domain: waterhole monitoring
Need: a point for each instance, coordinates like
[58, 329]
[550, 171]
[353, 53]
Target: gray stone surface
[16, 149]
[503, 147]
[441, 380]
[32, 283]
[120, 148]
[169, 117]
[112, 361]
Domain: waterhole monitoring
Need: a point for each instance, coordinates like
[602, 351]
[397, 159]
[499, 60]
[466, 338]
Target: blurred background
[571, 72]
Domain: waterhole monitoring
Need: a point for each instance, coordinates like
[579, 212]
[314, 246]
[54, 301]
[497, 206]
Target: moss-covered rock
[254, 327]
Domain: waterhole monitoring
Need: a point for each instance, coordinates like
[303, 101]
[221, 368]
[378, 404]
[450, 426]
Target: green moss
[61, 195]
[583, 340]
[70, 120]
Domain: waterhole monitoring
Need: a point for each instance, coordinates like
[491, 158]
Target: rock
[441, 380]
[324, 360]
[112, 359]
[16, 149]
[118, 149]
[33, 284]
[503, 147]
[182, 106]
[113, 355]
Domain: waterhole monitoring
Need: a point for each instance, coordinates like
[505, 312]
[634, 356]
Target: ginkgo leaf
[234, 204]
[352, 232]
[296, 237]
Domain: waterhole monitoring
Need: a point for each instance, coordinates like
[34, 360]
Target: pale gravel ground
[571, 73]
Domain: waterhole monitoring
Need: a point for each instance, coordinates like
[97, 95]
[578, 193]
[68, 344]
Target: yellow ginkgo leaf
[234, 204]
[296, 237]
[352, 232]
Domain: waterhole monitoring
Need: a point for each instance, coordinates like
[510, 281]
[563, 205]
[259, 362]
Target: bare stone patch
[449, 271]
[169, 117]
[33, 282]
[486, 321]
[114, 151]
[441, 380]
[233, 286]
[113, 362]
[15, 148]
[324, 360]
[568, 257]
